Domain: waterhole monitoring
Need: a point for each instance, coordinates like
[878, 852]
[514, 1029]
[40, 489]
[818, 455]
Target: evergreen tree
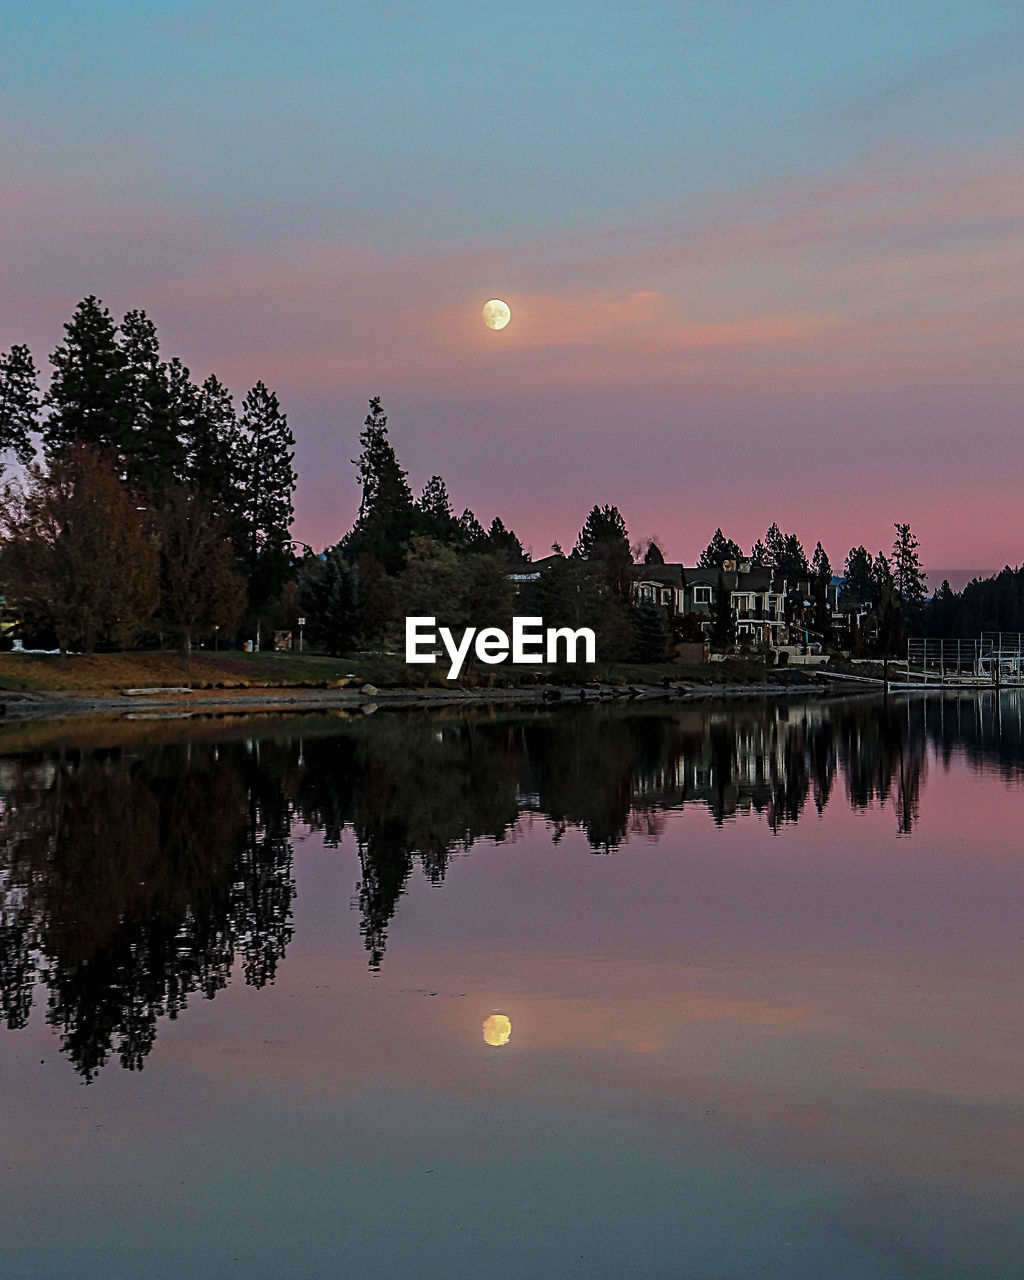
[986, 604]
[19, 403]
[821, 578]
[602, 526]
[759, 555]
[881, 573]
[604, 540]
[326, 594]
[859, 575]
[723, 624]
[908, 576]
[652, 632]
[88, 397]
[792, 563]
[943, 613]
[159, 399]
[654, 554]
[472, 534]
[574, 592]
[718, 550]
[200, 585]
[888, 607]
[774, 547]
[213, 443]
[504, 543]
[436, 519]
[267, 482]
[387, 513]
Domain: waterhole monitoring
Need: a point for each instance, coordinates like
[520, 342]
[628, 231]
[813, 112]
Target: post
[302, 623]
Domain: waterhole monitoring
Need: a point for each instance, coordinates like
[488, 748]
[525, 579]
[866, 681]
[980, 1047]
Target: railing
[996, 658]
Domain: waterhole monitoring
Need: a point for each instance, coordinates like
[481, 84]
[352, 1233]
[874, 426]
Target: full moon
[496, 314]
[497, 1030]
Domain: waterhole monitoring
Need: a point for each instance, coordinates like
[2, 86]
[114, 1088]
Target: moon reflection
[497, 1030]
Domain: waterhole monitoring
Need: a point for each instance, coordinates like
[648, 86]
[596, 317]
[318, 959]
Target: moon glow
[496, 314]
[497, 1030]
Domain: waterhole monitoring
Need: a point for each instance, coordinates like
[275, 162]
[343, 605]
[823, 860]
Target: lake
[723, 989]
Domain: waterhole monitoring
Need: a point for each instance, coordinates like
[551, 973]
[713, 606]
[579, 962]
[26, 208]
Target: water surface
[715, 990]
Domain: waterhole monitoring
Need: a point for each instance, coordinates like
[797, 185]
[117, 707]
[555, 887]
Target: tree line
[159, 509]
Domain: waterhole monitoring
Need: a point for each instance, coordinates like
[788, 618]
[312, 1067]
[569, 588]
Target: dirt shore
[36, 705]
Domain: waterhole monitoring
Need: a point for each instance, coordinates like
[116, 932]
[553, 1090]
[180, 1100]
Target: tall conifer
[88, 398]
[267, 482]
[19, 403]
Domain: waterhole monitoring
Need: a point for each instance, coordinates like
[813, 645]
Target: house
[757, 596]
[851, 616]
[532, 570]
[663, 584]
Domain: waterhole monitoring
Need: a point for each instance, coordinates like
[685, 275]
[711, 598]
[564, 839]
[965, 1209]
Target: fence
[995, 659]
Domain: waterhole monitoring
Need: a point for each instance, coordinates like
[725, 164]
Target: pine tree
[19, 403]
[652, 632]
[201, 587]
[859, 575]
[213, 443]
[821, 578]
[654, 554]
[326, 593]
[159, 401]
[472, 534]
[908, 576]
[943, 612]
[723, 624]
[792, 564]
[88, 398]
[888, 608]
[267, 482]
[718, 550]
[774, 547]
[504, 543]
[603, 526]
[604, 540]
[436, 519]
[387, 513]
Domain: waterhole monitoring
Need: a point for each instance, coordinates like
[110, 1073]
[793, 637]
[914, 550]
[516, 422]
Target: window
[666, 596]
[702, 595]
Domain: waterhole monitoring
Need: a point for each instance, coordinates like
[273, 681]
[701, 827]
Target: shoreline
[38, 705]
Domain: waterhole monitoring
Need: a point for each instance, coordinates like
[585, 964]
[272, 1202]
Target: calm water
[757, 970]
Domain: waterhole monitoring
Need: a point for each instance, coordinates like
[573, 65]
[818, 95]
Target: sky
[765, 262]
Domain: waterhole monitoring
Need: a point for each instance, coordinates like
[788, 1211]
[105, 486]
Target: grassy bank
[108, 673]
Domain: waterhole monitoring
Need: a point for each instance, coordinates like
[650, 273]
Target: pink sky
[835, 352]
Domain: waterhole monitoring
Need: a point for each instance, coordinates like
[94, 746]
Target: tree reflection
[133, 878]
[132, 882]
